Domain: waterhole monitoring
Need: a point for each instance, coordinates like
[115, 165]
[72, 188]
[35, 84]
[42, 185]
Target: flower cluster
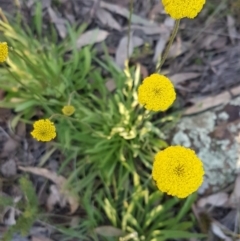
[68, 110]
[3, 52]
[156, 93]
[177, 171]
[44, 130]
[178, 9]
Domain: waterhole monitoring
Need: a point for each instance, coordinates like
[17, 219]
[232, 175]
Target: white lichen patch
[219, 156]
[235, 102]
[223, 116]
[204, 122]
[180, 138]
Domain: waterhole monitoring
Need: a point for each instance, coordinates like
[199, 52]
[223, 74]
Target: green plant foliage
[149, 215]
[29, 213]
[106, 126]
[41, 74]
[6, 201]
[110, 140]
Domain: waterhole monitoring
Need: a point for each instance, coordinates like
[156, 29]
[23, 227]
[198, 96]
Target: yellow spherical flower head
[178, 9]
[177, 171]
[68, 110]
[44, 130]
[156, 93]
[3, 51]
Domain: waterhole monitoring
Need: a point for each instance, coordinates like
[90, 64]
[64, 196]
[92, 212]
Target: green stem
[129, 25]
[70, 97]
[172, 37]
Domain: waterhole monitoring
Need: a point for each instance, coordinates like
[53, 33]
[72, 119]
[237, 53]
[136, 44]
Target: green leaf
[87, 61]
[183, 226]
[186, 206]
[29, 190]
[181, 234]
[38, 18]
[6, 201]
[132, 221]
[110, 211]
[109, 231]
[25, 105]
[151, 217]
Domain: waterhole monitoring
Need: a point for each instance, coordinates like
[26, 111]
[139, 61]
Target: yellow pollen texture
[44, 130]
[3, 52]
[156, 93]
[177, 171]
[178, 9]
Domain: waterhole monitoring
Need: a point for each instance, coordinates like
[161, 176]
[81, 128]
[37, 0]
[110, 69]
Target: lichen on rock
[213, 138]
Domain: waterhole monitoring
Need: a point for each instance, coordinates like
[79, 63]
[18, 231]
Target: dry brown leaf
[217, 61]
[181, 77]
[46, 3]
[157, 8]
[179, 47]
[235, 195]
[29, 3]
[21, 129]
[110, 84]
[144, 71]
[60, 182]
[217, 199]
[160, 46]
[211, 101]
[91, 37]
[208, 40]
[123, 52]
[107, 19]
[232, 31]
[218, 232]
[9, 216]
[161, 29]
[59, 23]
[55, 197]
[137, 42]
[169, 23]
[125, 13]
[109, 231]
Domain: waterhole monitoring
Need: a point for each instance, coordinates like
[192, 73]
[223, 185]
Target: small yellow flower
[156, 93]
[178, 9]
[44, 130]
[177, 171]
[68, 110]
[3, 51]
